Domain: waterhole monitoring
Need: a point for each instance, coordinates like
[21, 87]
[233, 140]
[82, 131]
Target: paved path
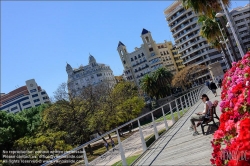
[131, 146]
[178, 146]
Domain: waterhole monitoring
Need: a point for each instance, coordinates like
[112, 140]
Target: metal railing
[183, 102]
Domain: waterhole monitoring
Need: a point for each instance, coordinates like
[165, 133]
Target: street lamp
[225, 43]
[224, 58]
[231, 26]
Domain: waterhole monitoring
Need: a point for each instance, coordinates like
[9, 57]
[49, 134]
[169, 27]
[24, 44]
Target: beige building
[148, 58]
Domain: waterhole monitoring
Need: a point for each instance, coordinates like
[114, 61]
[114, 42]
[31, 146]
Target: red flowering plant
[231, 142]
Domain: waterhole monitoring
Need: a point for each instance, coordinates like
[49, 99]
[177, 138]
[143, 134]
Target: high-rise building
[240, 18]
[193, 48]
[91, 74]
[24, 97]
[147, 58]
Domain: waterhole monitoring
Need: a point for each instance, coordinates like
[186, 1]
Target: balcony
[197, 56]
[168, 16]
[193, 22]
[181, 21]
[194, 50]
[191, 44]
[177, 17]
[187, 40]
[139, 63]
[186, 34]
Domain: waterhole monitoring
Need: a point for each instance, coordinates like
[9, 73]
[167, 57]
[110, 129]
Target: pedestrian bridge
[176, 146]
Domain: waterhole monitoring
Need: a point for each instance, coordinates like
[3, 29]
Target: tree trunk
[90, 149]
[110, 137]
[229, 38]
[102, 137]
[226, 56]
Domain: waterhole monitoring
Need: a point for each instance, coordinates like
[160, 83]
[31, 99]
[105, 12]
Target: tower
[92, 61]
[123, 53]
[69, 69]
[148, 42]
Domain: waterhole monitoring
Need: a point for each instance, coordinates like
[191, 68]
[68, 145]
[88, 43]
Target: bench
[213, 114]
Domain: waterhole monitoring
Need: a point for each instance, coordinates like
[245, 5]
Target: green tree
[205, 7]
[34, 117]
[185, 77]
[47, 141]
[12, 127]
[148, 85]
[157, 84]
[163, 80]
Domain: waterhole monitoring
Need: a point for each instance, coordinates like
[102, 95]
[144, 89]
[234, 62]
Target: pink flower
[229, 125]
[218, 134]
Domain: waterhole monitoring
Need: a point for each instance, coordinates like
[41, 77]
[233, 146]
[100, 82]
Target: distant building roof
[120, 44]
[144, 31]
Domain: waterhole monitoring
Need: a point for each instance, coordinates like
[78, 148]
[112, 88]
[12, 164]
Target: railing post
[186, 103]
[124, 162]
[177, 108]
[191, 99]
[144, 147]
[155, 129]
[85, 157]
[182, 108]
[164, 117]
[172, 115]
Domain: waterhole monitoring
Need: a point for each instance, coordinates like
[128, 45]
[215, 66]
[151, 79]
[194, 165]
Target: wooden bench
[206, 122]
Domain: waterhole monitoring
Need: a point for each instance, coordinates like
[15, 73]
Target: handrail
[111, 131]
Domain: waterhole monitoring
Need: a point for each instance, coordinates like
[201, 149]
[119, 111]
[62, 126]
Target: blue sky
[38, 38]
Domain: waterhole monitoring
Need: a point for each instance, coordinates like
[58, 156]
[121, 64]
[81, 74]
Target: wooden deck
[178, 146]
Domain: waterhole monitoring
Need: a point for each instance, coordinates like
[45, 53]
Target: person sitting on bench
[201, 115]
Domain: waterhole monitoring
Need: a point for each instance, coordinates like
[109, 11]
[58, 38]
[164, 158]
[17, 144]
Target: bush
[231, 144]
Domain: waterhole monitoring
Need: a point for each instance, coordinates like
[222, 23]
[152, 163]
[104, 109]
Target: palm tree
[205, 7]
[211, 31]
[148, 85]
[163, 80]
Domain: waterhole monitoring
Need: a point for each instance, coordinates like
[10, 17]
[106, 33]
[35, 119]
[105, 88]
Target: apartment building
[91, 74]
[147, 58]
[24, 97]
[193, 48]
[240, 18]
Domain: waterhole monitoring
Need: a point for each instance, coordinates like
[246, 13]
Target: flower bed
[231, 142]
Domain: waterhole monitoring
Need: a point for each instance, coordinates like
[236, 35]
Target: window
[44, 98]
[121, 52]
[151, 49]
[35, 95]
[147, 39]
[24, 104]
[37, 105]
[33, 90]
[14, 108]
[36, 100]
[124, 62]
[43, 93]
[132, 59]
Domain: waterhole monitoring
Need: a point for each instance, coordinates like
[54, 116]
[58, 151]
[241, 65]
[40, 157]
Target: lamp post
[226, 43]
[231, 26]
[224, 58]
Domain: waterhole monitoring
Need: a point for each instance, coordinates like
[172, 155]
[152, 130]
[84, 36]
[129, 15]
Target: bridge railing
[171, 109]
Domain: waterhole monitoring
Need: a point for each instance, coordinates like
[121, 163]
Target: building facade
[24, 97]
[193, 48]
[240, 18]
[147, 58]
[91, 74]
